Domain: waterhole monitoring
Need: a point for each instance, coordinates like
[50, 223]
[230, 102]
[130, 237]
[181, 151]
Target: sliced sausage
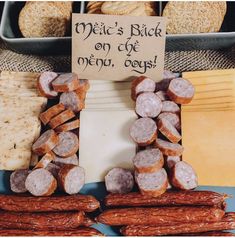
[68, 144]
[46, 116]
[69, 126]
[45, 160]
[180, 91]
[83, 85]
[152, 184]
[68, 160]
[45, 84]
[167, 74]
[168, 148]
[148, 161]
[172, 160]
[164, 83]
[168, 130]
[45, 143]
[162, 95]
[53, 169]
[17, 180]
[148, 105]
[40, 182]
[140, 85]
[119, 180]
[183, 176]
[71, 178]
[66, 82]
[169, 106]
[143, 131]
[72, 101]
[61, 118]
[172, 118]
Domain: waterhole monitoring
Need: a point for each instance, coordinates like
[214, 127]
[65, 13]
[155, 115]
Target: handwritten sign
[117, 47]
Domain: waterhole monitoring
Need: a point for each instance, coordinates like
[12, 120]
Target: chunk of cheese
[105, 142]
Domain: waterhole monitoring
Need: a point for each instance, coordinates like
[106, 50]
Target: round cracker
[118, 7]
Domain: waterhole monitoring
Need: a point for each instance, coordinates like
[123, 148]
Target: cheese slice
[107, 100]
[128, 104]
[111, 93]
[110, 86]
[105, 142]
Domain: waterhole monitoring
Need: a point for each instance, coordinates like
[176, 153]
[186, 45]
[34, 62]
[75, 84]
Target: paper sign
[109, 47]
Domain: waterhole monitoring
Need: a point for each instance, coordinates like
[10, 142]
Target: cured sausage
[71, 178]
[53, 169]
[168, 130]
[45, 143]
[168, 148]
[40, 182]
[46, 116]
[164, 83]
[143, 131]
[226, 223]
[45, 160]
[159, 216]
[119, 180]
[172, 160]
[183, 176]
[69, 126]
[68, 160]
[66, 82]
[72, 101]
[169, 198]
[44, 84]
[68, 144]
[140, 85]
[169, 106]
[79, 232]
[172, 118]
[152, 184]
[148, 105]
[181, 91]
[17, 180]
[162, 95]
[41, 221]
[83, 85]
[148, 161]
[25, 203]
[61, 118]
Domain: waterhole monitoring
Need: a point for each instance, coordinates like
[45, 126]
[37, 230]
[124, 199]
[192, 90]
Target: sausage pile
[39, 216]
[58, 144]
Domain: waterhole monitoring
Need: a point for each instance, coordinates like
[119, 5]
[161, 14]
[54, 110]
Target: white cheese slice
[110, 86]
[111, 93]
[128, 104]
[107, 100]
[105, 142]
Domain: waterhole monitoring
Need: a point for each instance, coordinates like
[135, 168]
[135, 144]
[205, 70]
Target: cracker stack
[131, 8]
[20, 106]
[45, 19]
[194, 17]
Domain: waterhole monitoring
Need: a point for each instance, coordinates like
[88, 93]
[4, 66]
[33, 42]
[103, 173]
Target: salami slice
[169, 106]
[152, 184]
[172, 160]
[148, 161]
[183, 176]
[17, 180]
[45, 143]
[143, 131]
[45, 160]
[71, 178]
[168, 130]
[162, 95]
[83, 85]
[164, 83]
[180, 91]
[46, 116]
[148, 105]
[172, 118]
[40, 182]
[68, 160]
[140, 85]
[69, 126]
[168, 148]
[61, 118]
[66, 82]
[45, 84]
[72, 101]
[119, 180]
[68, 144]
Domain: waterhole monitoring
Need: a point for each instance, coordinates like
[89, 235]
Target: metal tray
[10, 34]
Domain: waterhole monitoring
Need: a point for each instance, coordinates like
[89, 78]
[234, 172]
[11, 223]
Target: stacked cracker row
[47, 216]
[131, 8]
[20, 106]
[45, 19]
[59, 144]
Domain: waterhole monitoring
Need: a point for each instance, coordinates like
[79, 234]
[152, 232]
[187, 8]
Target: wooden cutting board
[208, 127]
